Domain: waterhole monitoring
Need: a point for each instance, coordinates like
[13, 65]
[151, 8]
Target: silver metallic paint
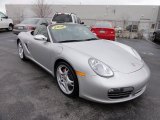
[91, 86]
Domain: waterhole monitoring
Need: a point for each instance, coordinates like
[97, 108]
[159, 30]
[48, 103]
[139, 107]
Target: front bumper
[95, 88]
[107, 37]
[16, 31]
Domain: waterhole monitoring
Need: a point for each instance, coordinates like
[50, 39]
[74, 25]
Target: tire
[66, 79]
[154, 37]
[21, 51]
[10, 27]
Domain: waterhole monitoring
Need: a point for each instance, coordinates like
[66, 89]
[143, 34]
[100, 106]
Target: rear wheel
[67, 79]
[10, 27]
[21, 51]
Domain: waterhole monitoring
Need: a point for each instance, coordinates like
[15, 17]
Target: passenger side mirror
[40, 37]
[82, 22]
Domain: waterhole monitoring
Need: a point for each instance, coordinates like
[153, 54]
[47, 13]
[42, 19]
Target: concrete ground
[27, 92]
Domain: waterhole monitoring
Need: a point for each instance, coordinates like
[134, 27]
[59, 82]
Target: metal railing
[142, 29]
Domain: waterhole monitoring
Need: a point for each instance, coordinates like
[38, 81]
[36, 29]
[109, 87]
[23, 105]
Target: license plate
[20, 28]
[101, 31]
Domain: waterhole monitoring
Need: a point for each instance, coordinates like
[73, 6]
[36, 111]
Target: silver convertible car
[83, 65]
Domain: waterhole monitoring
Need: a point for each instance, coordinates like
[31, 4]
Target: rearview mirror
[40, 37]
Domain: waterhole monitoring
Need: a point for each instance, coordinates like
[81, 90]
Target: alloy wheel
[10, 28]
[65, 79]
[20, 50]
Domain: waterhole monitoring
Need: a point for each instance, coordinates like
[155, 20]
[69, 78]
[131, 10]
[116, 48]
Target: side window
[159, 25]
[2, 15]
[42, 30]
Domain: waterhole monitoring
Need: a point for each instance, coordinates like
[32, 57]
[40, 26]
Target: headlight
[137, 55]
[100, 68]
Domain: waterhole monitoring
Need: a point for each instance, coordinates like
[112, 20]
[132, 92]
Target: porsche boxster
[84, 65]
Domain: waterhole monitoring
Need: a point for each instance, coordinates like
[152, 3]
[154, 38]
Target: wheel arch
[11, 24]
[76, 94]
[62, 60]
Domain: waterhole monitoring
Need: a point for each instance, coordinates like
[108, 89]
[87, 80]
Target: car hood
[111, 54]
[17, 25]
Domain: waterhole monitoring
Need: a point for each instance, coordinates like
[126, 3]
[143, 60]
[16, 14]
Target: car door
[40, 50]
[75, 19]
[3, 23]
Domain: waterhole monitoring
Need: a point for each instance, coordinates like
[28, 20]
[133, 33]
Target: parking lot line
[147, 53]
[6, 37]
[11, 40]
[8, 50]
[152, 42]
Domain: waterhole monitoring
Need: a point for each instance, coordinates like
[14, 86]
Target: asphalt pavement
[27, 92]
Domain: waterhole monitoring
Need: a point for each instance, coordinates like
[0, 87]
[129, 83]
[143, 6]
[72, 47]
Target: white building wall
[94, 12]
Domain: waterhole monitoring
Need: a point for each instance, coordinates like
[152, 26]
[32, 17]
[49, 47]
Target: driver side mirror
[6, 17]
[40, 37]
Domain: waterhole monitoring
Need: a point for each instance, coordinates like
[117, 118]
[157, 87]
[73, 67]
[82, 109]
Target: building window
[159, 25]
[152, 26]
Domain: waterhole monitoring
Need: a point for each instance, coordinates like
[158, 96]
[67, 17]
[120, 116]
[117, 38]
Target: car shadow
[40, 69]
[4, 30]
[157, 42]
[83, 102]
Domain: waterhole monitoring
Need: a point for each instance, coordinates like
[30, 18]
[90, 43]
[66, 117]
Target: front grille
[117, 93]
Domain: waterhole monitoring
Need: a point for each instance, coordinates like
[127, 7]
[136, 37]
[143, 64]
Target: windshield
[104, 24]
[71, 33]
[30, 21]
[60, 18]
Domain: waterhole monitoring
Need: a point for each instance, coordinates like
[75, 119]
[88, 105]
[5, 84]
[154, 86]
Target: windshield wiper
[70, 41]
[91, 39]
[78, 40]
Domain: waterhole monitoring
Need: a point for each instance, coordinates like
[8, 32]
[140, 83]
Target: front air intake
[118, 93]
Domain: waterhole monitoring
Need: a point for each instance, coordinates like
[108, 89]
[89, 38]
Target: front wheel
[67, 79]
[21, 51]
[154, 37]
